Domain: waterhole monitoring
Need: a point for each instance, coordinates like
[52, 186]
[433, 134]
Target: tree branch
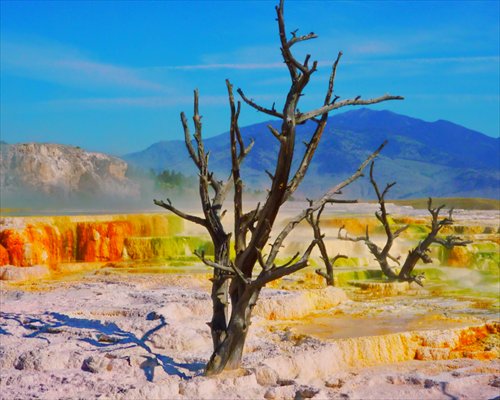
[420, 252]
[187, 141]
[238, 272]
[327, 197]
[451, 241]
[350, 239]
[264, 110]
[289, 262]
[382, 215]
[275, 133]
[235, 138]
[331, 81]
[212, 264]
[286, 45]
[351, 102]
[296, 39]
[168, 206]
[315, 224]
[306, 158]
[269, 275]
[337, 257]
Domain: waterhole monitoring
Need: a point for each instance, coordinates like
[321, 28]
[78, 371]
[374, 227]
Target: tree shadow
[110, 336]
[444, 389]
[4, 332]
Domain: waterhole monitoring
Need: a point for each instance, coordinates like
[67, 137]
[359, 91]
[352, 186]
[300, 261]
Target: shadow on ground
[105, 335]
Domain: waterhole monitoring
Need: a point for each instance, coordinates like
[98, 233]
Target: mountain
[59, 171]
[425, 158]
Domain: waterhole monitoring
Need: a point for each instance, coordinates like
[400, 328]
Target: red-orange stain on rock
[101, 241]
[62, 240]
[68, 246]
[13, 242]
[35, 244]
[472, 343]
[44, 245]
[4, 256]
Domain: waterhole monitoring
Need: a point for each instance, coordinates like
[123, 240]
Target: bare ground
[145, 337]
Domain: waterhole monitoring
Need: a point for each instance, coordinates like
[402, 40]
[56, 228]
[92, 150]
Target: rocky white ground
[145, 337]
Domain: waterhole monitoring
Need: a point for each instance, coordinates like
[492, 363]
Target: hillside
[425, 158]
[55, 171]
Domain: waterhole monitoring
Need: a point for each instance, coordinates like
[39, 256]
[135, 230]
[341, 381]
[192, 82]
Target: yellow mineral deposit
[31, 241]
[342, 354]
[459, 256]
[316, 332]
[50, 241]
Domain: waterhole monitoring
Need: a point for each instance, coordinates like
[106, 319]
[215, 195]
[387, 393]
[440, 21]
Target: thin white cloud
[137, 102]
[146, 101]
[369, 48]
[67, 66]
[219, 66]
[431, 60]
[408, 66]
[458, 97]
[279, 65]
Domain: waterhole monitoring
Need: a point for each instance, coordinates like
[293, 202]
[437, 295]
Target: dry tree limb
[420, 252]
[350, 102]
[327, 197]
[168, 206]
[272, 274]
[212, 264]
[315, 224]
[251, 103]
[382, 255]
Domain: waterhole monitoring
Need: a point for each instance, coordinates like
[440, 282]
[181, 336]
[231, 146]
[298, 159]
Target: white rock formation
[55, 169]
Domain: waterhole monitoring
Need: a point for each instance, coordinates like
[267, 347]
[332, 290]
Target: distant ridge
[425, 158]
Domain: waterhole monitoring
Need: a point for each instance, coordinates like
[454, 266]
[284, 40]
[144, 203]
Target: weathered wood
[382, 255]
[327, 197]
[233, 285]
[421, 250]
[315, 224]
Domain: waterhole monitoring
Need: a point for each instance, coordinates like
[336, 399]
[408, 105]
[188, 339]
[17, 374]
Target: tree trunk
[220, 294]
[229, 353]
[381, 257]
[416, 254]
[329, 267]
[387, 270]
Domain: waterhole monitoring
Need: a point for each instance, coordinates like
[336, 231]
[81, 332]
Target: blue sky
[114, 76]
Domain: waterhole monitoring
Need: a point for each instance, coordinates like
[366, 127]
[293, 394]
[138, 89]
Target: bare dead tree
[234, 281]
[420, 252]
[319, 237]
[382, 255]
[212, 207]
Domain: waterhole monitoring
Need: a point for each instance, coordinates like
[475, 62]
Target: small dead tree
[236, 282]
[420, 252]
[319, 237]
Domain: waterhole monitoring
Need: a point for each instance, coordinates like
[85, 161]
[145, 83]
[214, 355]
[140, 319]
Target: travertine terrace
[142, 337]
[121, 313]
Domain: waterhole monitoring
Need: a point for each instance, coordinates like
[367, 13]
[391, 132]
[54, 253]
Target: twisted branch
[168, 206]
[351, 102]
[327, 197]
